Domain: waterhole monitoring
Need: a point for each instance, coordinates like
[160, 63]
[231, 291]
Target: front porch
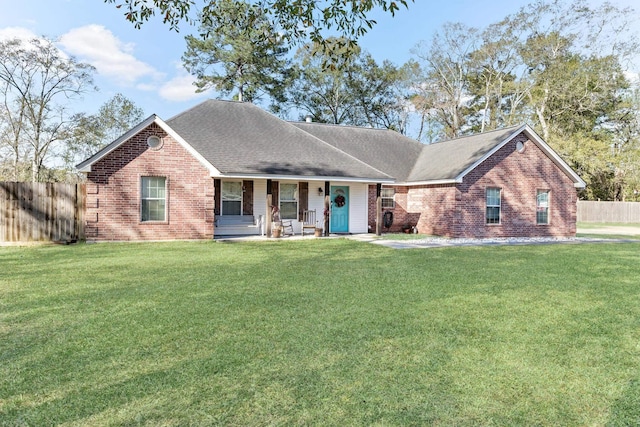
[246, 207]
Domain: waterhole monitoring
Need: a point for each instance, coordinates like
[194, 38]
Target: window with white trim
[542, 207]
[387, 195]
[153, 198]
[493, 205]
[288, 201]
[231, 198]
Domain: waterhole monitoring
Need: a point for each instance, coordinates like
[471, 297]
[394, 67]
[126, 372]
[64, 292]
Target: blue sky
[145, 64]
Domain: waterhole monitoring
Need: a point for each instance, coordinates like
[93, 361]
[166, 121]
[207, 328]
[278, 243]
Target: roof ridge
[509, 132]
[338, 125]
[478, 134]
[336, 148]
[207, 101]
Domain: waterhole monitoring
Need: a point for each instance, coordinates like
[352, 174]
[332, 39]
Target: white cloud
[180, 88]
[9, 33]
[112, 58]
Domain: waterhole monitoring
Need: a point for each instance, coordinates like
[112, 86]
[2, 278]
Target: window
[288, 201]
[153, 198]
[387, 196]
[231, 198]
[542, 207]
[493, 206]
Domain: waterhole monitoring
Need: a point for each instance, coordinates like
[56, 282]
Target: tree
[380, 93]
[498, 91]
[354, 90]
[298, 20]
[93, 132]
[319, 91]
[36, 83]
[242, 52]
[443, 89]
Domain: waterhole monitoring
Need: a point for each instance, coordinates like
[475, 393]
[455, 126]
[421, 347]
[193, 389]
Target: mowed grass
[322, 332]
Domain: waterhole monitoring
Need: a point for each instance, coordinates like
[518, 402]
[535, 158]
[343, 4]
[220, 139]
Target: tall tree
[446, 69]
[92, 132]
[242, 52]
[36, 83]
[497, 92]
[354, 90]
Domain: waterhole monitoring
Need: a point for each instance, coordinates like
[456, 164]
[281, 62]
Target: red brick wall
[459, 210]
[113, 192]
[429, 208]
[519, 175]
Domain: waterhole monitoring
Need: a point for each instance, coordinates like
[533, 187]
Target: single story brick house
[224, 168]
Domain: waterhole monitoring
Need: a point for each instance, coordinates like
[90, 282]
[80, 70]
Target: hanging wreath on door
[339, 201]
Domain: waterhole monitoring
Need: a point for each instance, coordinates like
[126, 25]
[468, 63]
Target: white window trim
[387, 198]
[548, 207]
[166, 199]
[487, 205]
[296, 199]
[222, 199]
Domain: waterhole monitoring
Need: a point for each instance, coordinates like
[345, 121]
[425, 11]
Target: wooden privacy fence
[41, 211]
[626, 212]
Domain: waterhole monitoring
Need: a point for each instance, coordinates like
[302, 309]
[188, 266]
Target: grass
[614, 230]
[323, 332]
[591, 225]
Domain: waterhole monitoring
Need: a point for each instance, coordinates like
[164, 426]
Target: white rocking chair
[309, 221]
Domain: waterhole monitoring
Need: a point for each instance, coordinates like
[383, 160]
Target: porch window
[288, 201]
[387, 195]
[231, 197]
[542, 207]
[493, 205]
[153, 198]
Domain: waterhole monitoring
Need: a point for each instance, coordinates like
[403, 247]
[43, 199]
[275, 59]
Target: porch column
[267, 217]
[378, 210]
[327, 206]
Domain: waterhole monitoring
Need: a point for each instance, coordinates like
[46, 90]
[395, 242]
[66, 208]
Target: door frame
[335, 192]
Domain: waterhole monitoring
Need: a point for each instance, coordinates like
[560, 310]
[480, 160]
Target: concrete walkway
[435, 242]
[439, 242]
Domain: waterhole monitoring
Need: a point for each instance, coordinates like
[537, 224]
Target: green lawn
[323, 332]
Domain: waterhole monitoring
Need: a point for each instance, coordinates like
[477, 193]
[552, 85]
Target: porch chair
[287, 224]
[309, 221]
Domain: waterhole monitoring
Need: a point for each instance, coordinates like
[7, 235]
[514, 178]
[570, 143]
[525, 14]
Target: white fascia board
[305, 178]
[577, 181]
[85, 166]
[433, 182]
[533, 136]
[212, 169]
[489, 153]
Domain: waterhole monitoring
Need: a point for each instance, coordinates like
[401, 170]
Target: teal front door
[339, 209]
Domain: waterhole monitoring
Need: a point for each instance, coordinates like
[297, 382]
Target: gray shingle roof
[385, 150]
[240, 138]
[448, 159]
